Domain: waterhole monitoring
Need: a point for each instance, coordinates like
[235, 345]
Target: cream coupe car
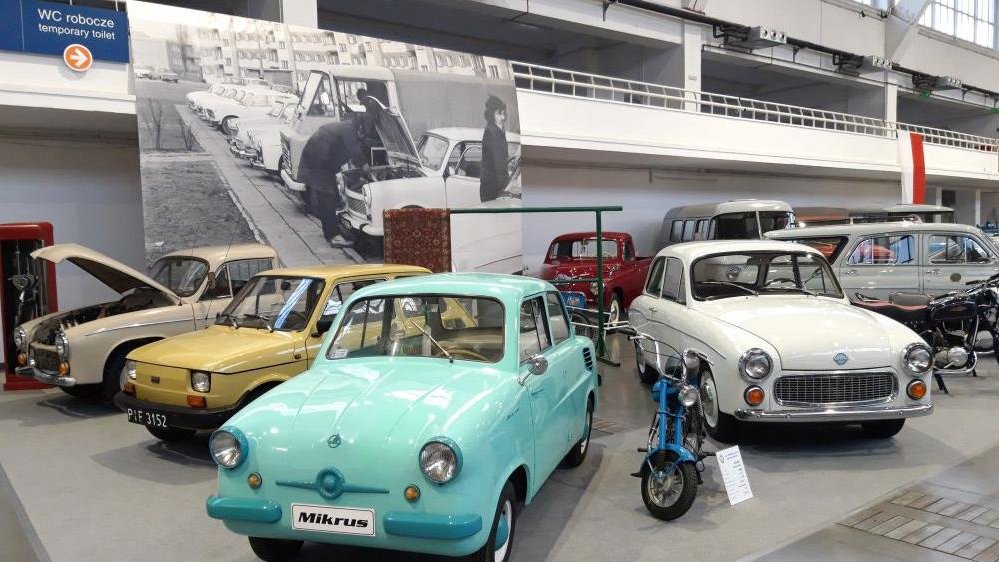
[782, 342]
[83, 351]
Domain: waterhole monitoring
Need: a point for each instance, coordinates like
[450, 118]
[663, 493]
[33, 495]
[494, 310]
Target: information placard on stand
[734, 475]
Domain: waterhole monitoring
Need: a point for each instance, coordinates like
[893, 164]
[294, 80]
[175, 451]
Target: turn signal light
[197, 401]
[128, 388]
[916, 390]
[63, 369]
[412, 493]
[22, 359]
[754, 396]
[254, 480]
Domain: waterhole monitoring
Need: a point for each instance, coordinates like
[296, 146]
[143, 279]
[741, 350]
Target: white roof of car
[466, 134]
[870, 228]
[689, 251]
[723, 207]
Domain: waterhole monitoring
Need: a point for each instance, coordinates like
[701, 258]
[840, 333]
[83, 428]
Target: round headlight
[688, 396]
[917, 358]
[131, 371]
[594, 288]
[440, 461]
[201, 382]
[20, 337]
[756, 364]
[228, 447]
[62, 345]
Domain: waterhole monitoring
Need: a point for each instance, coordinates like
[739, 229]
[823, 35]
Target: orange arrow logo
[77, 57]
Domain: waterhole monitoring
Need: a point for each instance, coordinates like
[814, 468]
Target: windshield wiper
[264, 319]
[799, 289]
[730, 284]
[426, 332]
[231, 317]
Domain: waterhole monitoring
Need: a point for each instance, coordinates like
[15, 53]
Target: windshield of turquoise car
[182, 275]
[272, 302]
[438, 326]
[721, 276]
[432, 151]
[585, 249]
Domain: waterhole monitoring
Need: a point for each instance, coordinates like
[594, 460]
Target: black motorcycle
[958, 326]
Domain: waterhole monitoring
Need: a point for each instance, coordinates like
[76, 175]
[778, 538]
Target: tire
[113, 373]
[170, 434]
[226, 124]
[616, 309]
[646, 373]
[720, 426]
[507, 508]
[84, 391]
[681, 493]
[275, 550]
[577, 454]
[883, 429]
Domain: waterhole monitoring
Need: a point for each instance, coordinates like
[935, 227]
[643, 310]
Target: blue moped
[671, 469]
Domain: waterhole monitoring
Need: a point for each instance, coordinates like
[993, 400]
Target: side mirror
[322, 326]
[539, 365]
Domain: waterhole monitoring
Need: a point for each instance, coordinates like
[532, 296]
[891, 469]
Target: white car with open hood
[83, 351]
[782, 342]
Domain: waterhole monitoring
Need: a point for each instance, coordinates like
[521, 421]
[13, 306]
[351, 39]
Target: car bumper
[51, 378]
[246, 153]
[834, 414]
[351, 222]
[290, 183]
[399, 523]
[178, 416]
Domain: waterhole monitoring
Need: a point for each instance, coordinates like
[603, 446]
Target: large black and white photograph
[255, 131]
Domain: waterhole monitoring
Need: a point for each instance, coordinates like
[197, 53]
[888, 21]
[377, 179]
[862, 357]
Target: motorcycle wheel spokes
[664, 486]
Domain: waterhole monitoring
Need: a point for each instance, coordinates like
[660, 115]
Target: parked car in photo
[270, 332]
[239, 140]
[83, 351]
[165, 75]
[196, 98]
[490, 243]
[574, 256]
[142, 71]
[417, 434]
[741, 219]
[254, 105]
[263, 143]
[878, 259]
[419, 176]
[782, 342]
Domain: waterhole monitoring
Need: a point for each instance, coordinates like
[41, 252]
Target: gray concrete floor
[98, 488]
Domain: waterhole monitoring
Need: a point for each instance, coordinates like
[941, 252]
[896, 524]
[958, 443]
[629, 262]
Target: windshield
[446, 327]
[271, 302]
[276, 108]
[755, 273]
[585, 249]
[432, 151]
[182, 275]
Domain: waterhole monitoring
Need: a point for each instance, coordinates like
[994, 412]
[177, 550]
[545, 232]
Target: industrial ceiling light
[860, 64]
[752, 38]
[929, 83]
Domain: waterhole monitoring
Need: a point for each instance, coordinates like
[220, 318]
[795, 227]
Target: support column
[939, 199]
[300, 12]
[978, 206]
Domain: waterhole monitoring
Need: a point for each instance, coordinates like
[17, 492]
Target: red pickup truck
[574, 256]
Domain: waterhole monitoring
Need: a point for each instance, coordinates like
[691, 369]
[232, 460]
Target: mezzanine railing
[618, 90]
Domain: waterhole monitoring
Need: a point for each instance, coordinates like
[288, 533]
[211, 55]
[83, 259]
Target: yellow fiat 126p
[270, 332]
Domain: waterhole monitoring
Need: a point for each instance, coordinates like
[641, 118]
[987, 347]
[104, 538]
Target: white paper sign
[734, 475]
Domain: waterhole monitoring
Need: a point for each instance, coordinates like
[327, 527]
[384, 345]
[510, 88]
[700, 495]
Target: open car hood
[394, 134]
[116, 275]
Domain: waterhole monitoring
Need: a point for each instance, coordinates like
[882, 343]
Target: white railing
[619, 90]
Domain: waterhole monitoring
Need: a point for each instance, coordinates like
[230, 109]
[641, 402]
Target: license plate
[339, 520]
[574, 299]
[142, 417]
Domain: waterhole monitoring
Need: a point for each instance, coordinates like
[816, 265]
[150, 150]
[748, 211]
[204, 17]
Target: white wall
[91, 194]
[647, 195]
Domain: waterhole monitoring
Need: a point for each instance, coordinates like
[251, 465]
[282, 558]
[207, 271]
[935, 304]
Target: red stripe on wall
[918, 169]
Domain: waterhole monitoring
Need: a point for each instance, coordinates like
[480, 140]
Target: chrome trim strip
[130, 326]
[834, 414]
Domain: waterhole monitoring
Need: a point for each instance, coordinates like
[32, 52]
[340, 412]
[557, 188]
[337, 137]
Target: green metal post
[600, 287]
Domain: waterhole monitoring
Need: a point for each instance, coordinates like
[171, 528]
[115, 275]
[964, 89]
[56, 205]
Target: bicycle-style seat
[909, 299]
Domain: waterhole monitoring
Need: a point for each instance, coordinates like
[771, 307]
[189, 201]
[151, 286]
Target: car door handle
[537, 390]
[652, 309]
[933, 272]
[850, 272]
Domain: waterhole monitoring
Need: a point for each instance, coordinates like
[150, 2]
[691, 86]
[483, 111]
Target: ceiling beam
[901, 26]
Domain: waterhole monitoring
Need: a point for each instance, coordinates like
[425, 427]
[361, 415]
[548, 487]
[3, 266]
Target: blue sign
[47, 28]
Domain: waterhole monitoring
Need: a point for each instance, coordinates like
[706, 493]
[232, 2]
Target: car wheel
[614, 310]
[114, 374]
[577, 454]
[170, 434]
[719, 425]
[275, 550]
[499, 545]
[646, 373]
[883, 429]
[226, 125]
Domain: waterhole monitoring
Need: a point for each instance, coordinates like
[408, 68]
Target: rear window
[830, 247]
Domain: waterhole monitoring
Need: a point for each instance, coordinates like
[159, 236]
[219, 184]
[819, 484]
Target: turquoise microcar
[438, 406]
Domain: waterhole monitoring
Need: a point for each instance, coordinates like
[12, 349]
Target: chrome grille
[46, 360]
[357, 206]
[286, 155]
[832, 389]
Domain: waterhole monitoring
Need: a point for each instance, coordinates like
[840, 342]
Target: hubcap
[709, 401]
[122, 379]
[614, 313]
[664, 486]
[503, 532]
[585, 441]
[639, 357]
